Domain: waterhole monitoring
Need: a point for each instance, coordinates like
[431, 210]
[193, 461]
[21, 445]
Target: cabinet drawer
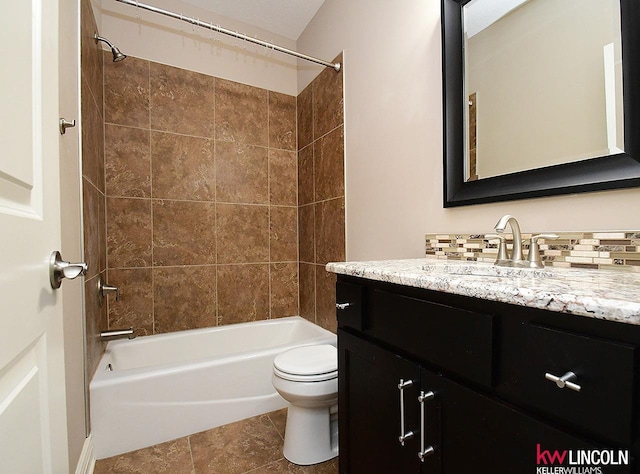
[349, 301]
[604, 375]
[452, 339]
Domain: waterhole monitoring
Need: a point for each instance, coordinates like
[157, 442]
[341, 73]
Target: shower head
[117, 54]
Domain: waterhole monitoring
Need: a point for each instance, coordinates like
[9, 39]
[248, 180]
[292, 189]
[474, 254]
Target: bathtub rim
[104, 377]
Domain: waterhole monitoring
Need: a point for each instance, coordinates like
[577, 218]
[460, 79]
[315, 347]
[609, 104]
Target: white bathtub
[167, 386]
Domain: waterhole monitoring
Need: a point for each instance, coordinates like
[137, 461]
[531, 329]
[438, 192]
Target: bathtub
[157, 388]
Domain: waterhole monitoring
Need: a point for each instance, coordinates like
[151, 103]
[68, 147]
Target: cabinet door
[481, 434]
[369, 409]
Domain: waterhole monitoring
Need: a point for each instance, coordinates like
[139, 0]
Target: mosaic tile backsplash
[590, 250]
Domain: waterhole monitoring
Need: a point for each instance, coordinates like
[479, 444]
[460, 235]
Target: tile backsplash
[618, 250]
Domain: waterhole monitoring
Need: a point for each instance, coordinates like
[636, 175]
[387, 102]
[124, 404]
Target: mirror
[515, 126]
[524, 58]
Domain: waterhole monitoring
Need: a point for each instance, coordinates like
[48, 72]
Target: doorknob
[59, 269]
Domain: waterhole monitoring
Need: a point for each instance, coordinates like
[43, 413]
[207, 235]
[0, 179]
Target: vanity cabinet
[464, 380]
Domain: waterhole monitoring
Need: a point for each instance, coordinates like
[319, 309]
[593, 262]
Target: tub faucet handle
[104, 289]
[109, 289]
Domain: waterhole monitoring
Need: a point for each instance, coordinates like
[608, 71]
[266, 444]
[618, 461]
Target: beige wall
[96, 6]
[150, 36]
[531, 88]
[393, 132]
[71, 230]
[392, 118]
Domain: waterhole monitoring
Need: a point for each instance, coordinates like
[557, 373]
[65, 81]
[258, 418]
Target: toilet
[307, 377]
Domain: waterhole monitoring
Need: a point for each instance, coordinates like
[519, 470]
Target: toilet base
[311, 435]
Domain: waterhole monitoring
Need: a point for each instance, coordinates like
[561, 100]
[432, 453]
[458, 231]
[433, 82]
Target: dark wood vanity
[467, 380]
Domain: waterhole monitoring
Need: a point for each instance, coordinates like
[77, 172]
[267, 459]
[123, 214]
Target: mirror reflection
[543, 81]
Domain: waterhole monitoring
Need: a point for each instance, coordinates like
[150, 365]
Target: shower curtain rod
[235, 34]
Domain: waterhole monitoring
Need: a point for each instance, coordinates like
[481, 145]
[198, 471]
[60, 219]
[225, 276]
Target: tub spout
[118, 334]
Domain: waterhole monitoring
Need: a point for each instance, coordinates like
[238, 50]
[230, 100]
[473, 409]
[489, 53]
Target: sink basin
[480, 269]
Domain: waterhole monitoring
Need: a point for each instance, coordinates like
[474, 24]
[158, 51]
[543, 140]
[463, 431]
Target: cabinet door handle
[342, 306]
[424, 452]
[567, 380]
[409, 434]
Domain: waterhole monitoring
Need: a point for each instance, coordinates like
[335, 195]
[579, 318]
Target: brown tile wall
[321, 222]
[201, 192]
[93, 185]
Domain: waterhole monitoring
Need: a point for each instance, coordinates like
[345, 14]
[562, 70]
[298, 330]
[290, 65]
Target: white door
[33, 434]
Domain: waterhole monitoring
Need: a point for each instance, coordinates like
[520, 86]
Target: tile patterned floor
[250, 446]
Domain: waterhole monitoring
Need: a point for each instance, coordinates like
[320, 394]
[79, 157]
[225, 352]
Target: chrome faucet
[515, 260]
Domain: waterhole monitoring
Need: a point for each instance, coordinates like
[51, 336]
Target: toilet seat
[314, 363]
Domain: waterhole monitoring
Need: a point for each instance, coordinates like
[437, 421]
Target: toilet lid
[308, 360]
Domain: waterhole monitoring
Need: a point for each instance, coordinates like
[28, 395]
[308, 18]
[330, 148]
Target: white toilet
[307, 377]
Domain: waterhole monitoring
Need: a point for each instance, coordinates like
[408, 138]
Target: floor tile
[172, 457]
[251, 446]
[237, 447]
[279, 420]
[282, 465]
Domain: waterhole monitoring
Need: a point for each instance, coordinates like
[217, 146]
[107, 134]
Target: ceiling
[480, 14]
[288, 18]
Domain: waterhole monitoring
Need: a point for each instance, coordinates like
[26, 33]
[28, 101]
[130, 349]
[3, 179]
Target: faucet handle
[544, 236]
[104, 289]
[109, 289]
[535, 261]
[502, 248]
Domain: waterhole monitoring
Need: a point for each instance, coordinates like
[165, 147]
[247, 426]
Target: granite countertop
[601, 294]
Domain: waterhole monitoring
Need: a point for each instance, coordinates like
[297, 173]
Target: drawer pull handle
[424, 452]
[342, 306]
[409, 434]
[567, 380]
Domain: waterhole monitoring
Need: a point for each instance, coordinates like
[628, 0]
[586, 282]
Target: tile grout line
[297, 156]
[313, 197]
[229, 203]
[193, 465]
[274, 425]
[215, 201]
[104, 178]
[270, 313]
[255, 469]
[200, 137]
[153, 279]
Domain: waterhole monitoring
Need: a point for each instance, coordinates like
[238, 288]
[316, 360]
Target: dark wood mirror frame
[610, 172]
